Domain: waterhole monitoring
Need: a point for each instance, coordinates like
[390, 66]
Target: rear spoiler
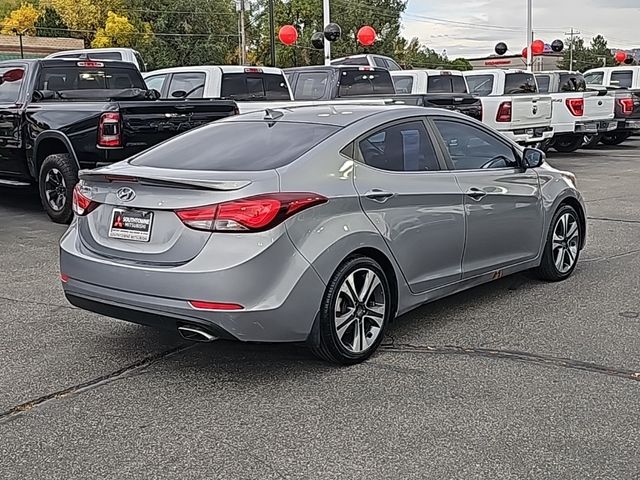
[161, 180]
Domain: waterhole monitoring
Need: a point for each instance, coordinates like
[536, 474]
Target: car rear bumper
[529, 135]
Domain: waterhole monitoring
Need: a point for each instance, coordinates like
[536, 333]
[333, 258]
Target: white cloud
[477, 25]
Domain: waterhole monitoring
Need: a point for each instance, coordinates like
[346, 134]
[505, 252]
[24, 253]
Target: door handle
[476, 193]
[378, 195]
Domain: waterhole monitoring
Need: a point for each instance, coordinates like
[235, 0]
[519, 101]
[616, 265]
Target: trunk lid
[157, 194]
[598, 107]
[531, 110]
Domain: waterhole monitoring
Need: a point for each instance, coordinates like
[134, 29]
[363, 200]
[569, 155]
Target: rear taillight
[575, 106]
[199, 305]
[64, 278]
[504, 112]
[82, 205]
[110, 130]
[626, 105]
[252, 214]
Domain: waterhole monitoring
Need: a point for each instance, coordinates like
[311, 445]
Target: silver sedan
[316, 225]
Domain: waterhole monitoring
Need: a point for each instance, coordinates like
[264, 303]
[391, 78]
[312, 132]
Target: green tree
[585, 57]
[50, 24]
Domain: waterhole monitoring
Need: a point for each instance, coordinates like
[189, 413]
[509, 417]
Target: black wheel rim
[55, 190]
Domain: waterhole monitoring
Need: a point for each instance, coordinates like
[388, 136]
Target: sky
[471, 28]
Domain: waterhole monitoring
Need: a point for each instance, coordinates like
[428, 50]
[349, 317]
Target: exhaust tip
[195, 334]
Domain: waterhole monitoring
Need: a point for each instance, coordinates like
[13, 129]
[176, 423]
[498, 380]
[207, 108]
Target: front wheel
[562, 248]
[568, 143]
[57, 179]
[354, 313]
[615, 138]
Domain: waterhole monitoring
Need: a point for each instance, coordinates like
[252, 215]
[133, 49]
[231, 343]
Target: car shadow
[22, 199]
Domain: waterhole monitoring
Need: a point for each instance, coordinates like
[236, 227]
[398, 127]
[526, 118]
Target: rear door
[503, 203]
[415, 204]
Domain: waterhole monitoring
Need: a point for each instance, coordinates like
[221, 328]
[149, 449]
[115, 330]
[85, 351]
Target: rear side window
[187, 85]
[572, 83]
[311, 86]
[10, 83]
[446, 84]
[520, 83]
[89, 78]
[237, 146]
[254, 87]
[391, 65]
[594, 78]
[380, 62]
[365, 82]
[480, 85]
[543, 83]
[622, 79]
[403, 84]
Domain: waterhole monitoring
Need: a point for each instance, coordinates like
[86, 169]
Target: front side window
[480, 85]
[572, 83]
[622, 79]
[311, 86]
[472, 148]
[155, 82]
[403, 84]
[403, 147]
[187, 85]
[520, 83]
[594, 78]
[10, 82]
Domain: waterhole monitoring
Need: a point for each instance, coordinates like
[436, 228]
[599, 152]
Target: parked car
[577, 112]
[371, 60]
[439, 85]
[321, 84]
[123, 54]
[623, 83]
[63, 115]
[512, 104]
[315, 224]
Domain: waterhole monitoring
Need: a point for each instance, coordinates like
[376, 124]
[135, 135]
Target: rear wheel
[615, 138]
[355, 311]
[568, 143]
[58, 176]
[591, 141]
[562, 249]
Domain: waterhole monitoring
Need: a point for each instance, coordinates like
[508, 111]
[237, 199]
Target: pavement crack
[618, 220]
[535, 358]
[93, 383]
[611, 257]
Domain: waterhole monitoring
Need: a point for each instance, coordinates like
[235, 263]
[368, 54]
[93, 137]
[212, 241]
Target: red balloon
[620, 56]
[288, 34]
[524, 52]
[537, 47]
[366, 36]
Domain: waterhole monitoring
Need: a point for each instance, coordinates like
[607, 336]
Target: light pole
[272, 33]
[529, 35]
[326, 18]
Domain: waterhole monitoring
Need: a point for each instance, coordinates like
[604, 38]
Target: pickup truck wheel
[568, 143]
[591, 141]
[58, 177]
[615, 138]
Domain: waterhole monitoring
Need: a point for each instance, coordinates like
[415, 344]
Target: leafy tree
[50, 24]
[21, 19]
[7, 6]
[118, 31]
[597, 54]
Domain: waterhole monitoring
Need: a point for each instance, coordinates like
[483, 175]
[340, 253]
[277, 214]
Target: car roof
[340, 115]
[216, 69]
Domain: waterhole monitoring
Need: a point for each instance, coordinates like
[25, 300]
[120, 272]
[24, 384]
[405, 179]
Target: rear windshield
[311, 85]
[572, 83]
[85, 78]
[403, 84]
[254, 87]
[543, 83]
[520, 83]
[237, 146]
[351, 61]
[365, 82]
[622, 79]
[446, 84]
[480, 85]
[594, 78]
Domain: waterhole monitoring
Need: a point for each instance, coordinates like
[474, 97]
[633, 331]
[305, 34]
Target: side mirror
[532, 158]
[179, 94]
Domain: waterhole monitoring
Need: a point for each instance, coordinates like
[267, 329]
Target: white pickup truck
[578, 112]
[512, 104]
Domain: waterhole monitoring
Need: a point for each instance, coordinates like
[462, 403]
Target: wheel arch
[50, 143]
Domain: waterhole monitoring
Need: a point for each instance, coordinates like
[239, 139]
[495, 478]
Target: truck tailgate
[531, 110]
[598, 107]
[145, 124]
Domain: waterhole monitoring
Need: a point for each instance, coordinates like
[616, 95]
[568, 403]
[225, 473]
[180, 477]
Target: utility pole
[571, 34]
[529, 35]
[272, 33]
[326, 19]
[243, 39]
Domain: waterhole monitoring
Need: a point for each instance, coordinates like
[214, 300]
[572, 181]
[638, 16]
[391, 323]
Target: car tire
[614, 138]
[562, 248]
[56, 181]
[568, 144]
[364, 312]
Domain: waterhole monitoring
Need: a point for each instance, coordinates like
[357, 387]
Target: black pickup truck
[363, 83]
[58, 116]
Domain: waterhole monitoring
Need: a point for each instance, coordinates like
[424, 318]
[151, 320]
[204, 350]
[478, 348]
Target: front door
[415, 204]
[503, 202]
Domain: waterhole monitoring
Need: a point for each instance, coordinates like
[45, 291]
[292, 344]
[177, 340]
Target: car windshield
[365, 82]
[237, 146]
[74, 77]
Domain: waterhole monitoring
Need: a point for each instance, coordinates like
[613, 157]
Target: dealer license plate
[127, 224]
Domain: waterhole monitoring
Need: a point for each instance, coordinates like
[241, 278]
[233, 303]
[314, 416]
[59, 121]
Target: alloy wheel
[566, 241]
[55, 189]
[360, 310]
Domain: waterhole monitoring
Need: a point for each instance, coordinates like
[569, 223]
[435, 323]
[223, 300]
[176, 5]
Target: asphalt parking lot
[516, 379]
